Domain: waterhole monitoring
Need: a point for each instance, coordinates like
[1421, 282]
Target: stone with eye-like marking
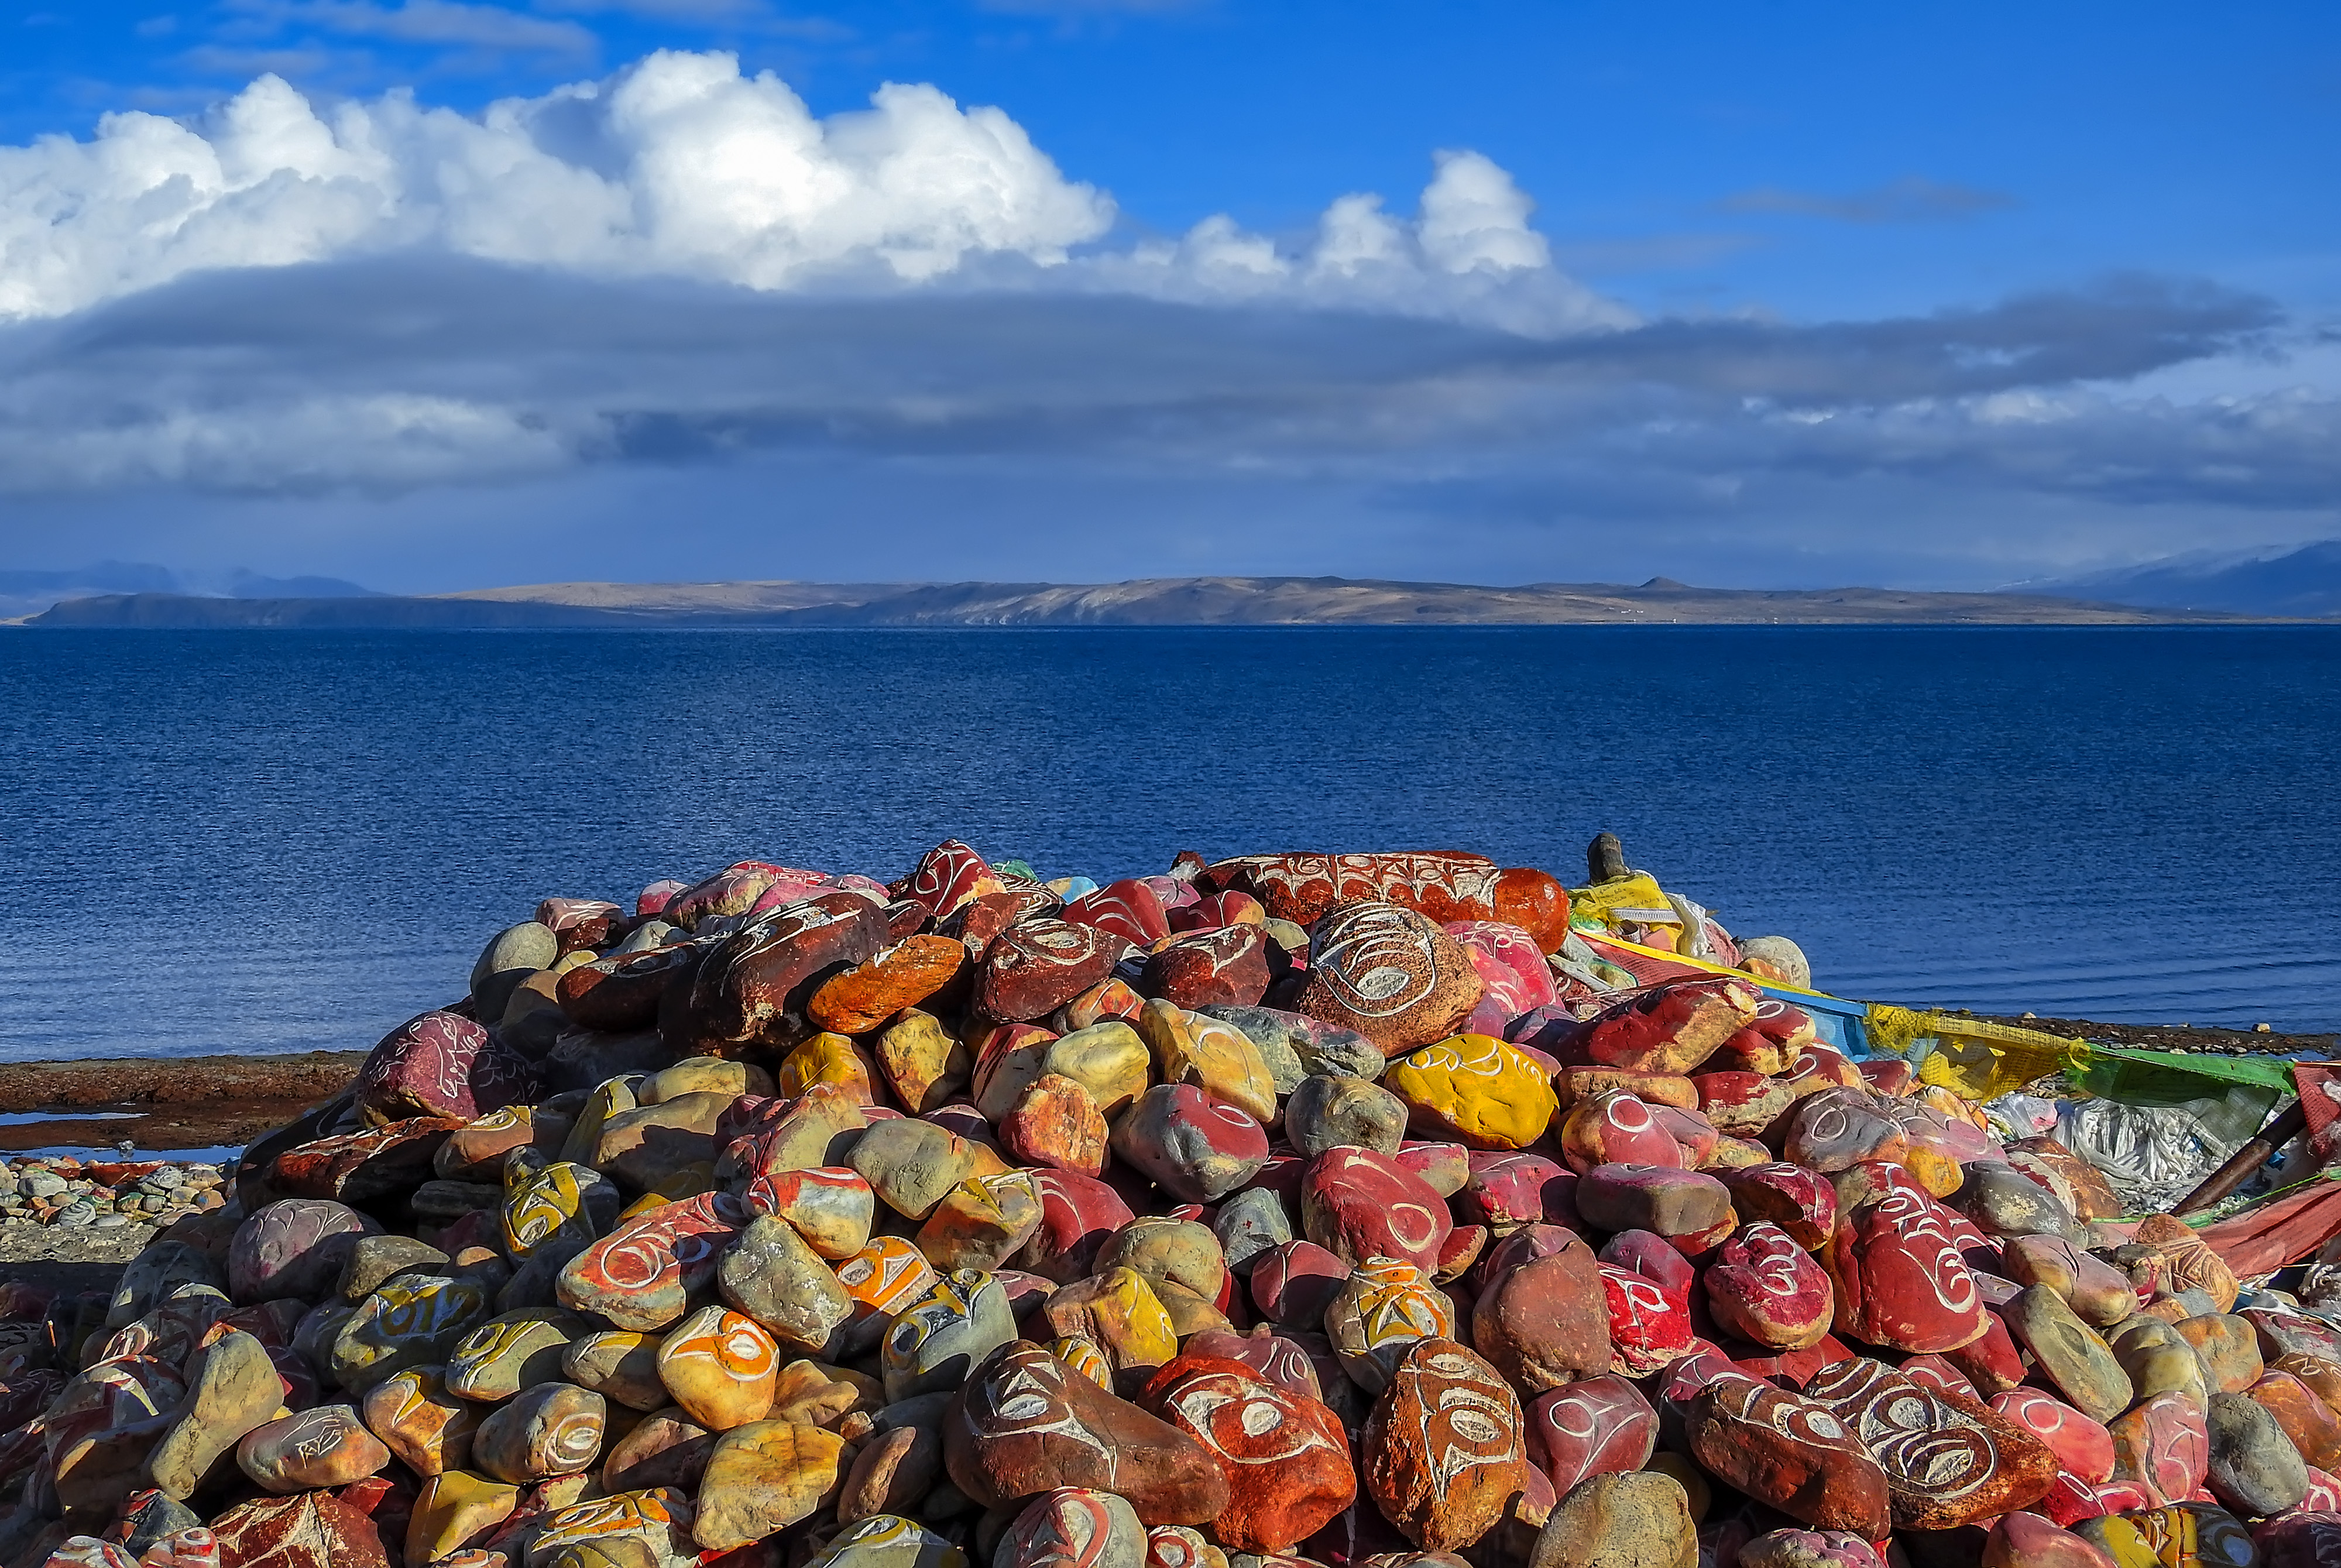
[1788, 1452]
[1285, 1455]
[1025, 1422]
[1073, 1527]
[553, 1429]
[1031, 970]
[1443, 1451]
[1947, 1460]
[1380, 1313]
[720, 1367]
[935, 1338]
[641, 1275]
[888, 1541]
[1390, 974]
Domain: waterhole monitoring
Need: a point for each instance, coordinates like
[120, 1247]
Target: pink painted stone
[1596, 1426]
[2082, 1446]
[655, 896]
[2164, 1444]
[1294, 1282]
[1077, 1212]
[1742, 1104]
[1517, 977]
[1613, 1128]
[946, 877]
[1693, 1134]
[439, 1064]
[1901, 1281]
[1129, 909]
[1800, 1202]
[1195, 1148]
[1937, 1373]
[1654, 1257]
[1764, 1287]
[1281, 1360]
[1358, 1204]
[1649, 1325]
[2323, 1494]
[2023, 1540]
[1510, 1187]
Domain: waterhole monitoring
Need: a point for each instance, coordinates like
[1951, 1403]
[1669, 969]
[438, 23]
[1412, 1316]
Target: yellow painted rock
[1474, 1088]
[927, 1065]
[612, 1099]
[1084, 1355]
[827, 1059]
[1120, 1312]
[659, 1516]
[455, 1509]
[508, 1354]
[426, 1427]
[1216, 1057]
[815, 1394]
[1108, 1059]
[704, 1075]
[720, 1367]
[980, 1224]
[762, 1478]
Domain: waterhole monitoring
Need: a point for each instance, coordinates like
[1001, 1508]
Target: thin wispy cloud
[1908, 200]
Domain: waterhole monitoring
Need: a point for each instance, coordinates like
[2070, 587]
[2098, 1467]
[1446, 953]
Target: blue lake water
[269, 841]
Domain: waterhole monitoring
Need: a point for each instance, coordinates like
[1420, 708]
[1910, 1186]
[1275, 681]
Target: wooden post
[2246, 1160]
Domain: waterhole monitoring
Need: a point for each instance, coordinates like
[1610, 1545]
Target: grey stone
[1330, 1111]
[526, 947]
[2254, 1468]
[1249, 1224]
[1317, 1047]
[2004, 1202]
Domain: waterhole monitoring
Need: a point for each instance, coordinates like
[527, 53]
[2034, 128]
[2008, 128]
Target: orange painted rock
[1443, 1454]
[2309, 1421]
[1285, 1456]
[1788, 1452]
[1056, 1124]
[326, 1446]
[1389, 974]
[426, 1427]
[720, 1367]
[903, 975]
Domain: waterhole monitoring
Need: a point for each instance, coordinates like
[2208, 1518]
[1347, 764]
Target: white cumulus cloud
[680, 166]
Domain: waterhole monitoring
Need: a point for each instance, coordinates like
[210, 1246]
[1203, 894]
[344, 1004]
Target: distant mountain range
[1152, 602]
[2308, 582]
[29, 593]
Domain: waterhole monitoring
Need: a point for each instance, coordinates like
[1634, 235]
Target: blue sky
[1762, 293]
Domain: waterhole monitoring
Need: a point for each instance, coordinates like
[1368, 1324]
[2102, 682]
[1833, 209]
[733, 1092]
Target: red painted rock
[1763, 1286]
[1948, 1460]
[1070, 1527]
[1358, 1204]
[859, 1000]
[1546, 1319]
[1900, 1280]
[2165, 1445]
[1800, 1202]
[1935, 1372]
[2305, 1538]
[757, 982]
[1837, 1129]
[1024, 1422]
[1442, 1451]
[946, 877]
[361, 1167]
[1742, 1104]
[309, 1529]
[1056, 1124]
[1772, 1040]
[734, 889]
[1661, 1199]
[2022, 1540]
[1595, 1426]
[1077, 1212]
[1510, 965]
[1034, 969]
[641, 1275]
[1294, 1282]
[1672, 1027]
[1509, 1188]
[1649, 1325]
[438, 1064]
[1445, 886]
[1615, 1128]
[1228, 966]
[2082, 1446]
[1389, 974]
[620, 993]
[1129, 909]
[1790, 1452]
[1285, 1456]
[1993, 1363]
[830, 1206]
[1194, 1147]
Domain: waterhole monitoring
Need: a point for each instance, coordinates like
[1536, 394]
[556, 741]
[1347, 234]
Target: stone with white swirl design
[1356, 1204]
[1285, 1455]
[1195, 1148]
[1030, 971]
[1443, 1451]
[1595, 1426]
[1788, 1452]
[553, 1429]
[641, 1275]
[1946, 1460]
[1764, 1288]
[1900, 1278]
[1389, 974]
[720, 1365]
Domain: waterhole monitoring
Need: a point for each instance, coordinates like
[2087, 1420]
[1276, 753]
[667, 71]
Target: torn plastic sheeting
[2153, 1154]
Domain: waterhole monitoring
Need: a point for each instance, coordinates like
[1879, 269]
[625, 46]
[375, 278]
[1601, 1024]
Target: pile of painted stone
[105, 1194]
[1289, 1209]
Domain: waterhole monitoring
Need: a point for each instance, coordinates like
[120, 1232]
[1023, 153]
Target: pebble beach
[1402, 1211]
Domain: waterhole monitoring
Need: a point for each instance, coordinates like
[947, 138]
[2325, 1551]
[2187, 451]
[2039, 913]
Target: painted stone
[326, 1446]
[1279, 1358]
[764, 1477]
[2083, 1447]
[1286, 1457]
[1800, 1202]
[1073, 1527]
[1294, 1282]
[1992, 1363]
[1117, 1310]
[1772, 1040]
[1946, 1462]
[1024, 1424]
[659, 1517]
[1649, 1324]
[1388, 973]
[1612, 1128]
[937, 1337]
[1661, 1199]
[1808, 1549]
[2163, 1444]
[827, 1058]
[1248, 1224]
[307, 1530]
[1595, 1426]
[754, 983]
[773, 1276]
[1442, 1455]
[1478, 1091]
[981, 1223]
[2168, 1256]
[1764, 1288]
[1077, 1212]
[1837, 1129]
[1899, 1276]
[1379, 1312]
[2023, 1540]
[888, 1541]
[1504, 1190]
[1217, 1058]
[1034, 969]
[364, 1167]
[1743, 1103]
[1669, 1028]
[2309, 1421]
[859, 1000]
[1056, 1124]
[2004, 1202]
[946, 877]
[440, 1065]
[553, 1429]
[2229, 1347]
[831, 1207]
[665, 1448]
[1227, 966]
[2190, 1535]
[516, 1351]
[1790, 1452]
[641, 1275]
[620, 1364]
[292, 1249]
[924, 1062]
[1359, 1205]
[1194, 1147]
[2069, 1353]
[1130, 909]
[884, 1278]
[720, 1367]
[910, 1163]
[428, 1429]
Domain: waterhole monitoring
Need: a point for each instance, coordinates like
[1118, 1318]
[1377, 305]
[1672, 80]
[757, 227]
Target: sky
[441, 294]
